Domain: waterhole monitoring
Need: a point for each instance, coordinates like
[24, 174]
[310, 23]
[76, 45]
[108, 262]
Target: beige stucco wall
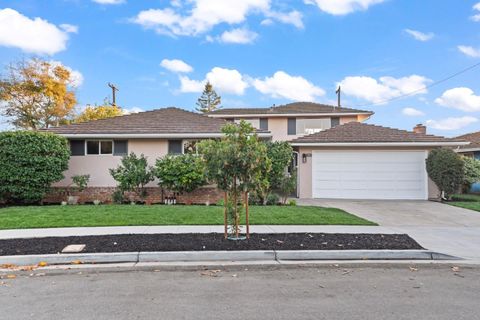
[305, 170]
[97, 166]
[278, 126]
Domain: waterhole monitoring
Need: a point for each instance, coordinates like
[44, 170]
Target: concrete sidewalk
[463, 242]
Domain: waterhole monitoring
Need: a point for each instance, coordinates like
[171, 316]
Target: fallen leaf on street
[11, 276]
[413, 269]
[455, 269]
[76, 262]
[42, 264]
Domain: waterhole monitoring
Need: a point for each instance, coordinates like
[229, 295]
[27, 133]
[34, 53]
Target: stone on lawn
[73, 248]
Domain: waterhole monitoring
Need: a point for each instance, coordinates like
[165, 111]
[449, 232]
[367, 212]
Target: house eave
[149, 135]
[277, 115]
[378, 144]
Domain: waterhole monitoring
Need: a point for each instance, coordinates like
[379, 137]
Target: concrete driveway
[435, 226]
[403, 213]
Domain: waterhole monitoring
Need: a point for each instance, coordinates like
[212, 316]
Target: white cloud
[205, 14]
[283, 85]
[420, 36]
[293, 17]
[469, 51]
[132, 110]
[224, 80]
[239, 36]
[188, 85]
[227, 80]
[476, 17]
[451, 123]
[176, 65]
[76, 77]
[109, 1]
[69, 28]
[385, 88]
[342, 7]
[460, 98]
[412, 112]
[30, 35]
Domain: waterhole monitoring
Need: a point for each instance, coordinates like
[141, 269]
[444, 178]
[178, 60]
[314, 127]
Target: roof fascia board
[376, 144]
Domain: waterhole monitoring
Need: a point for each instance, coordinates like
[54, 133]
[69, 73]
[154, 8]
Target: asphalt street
[239, 292]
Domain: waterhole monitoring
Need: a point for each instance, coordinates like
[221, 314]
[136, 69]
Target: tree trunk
[225, 220]
[246, 215]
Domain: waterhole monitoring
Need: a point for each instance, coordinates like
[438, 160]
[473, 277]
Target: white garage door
[369, 174]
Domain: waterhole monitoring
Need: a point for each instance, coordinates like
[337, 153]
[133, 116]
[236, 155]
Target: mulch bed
[209, 242]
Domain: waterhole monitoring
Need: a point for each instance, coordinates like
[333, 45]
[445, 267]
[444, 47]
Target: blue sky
[263, 52]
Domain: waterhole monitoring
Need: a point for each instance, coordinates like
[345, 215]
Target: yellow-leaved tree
[37, 94]
[98, 112]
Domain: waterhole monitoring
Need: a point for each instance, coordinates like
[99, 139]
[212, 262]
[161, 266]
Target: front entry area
[369, 174]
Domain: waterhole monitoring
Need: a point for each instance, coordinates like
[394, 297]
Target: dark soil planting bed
[209, 242]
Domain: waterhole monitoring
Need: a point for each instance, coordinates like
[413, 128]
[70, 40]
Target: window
[292, 126]
[175, 146]
[77, 147]
[93, 147]
[335, 122]
[190, 146]
[254, 122]
[99, 147]
[120, 147]
[106, 147]
[309, 126]
[263, 124]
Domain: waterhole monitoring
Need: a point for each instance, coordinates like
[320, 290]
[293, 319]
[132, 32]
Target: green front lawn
[138, 215]
[467, 201]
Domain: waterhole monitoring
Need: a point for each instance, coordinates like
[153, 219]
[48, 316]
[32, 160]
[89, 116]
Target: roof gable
[357, 132]
[473, 138]
[291, 108]
[160, 121]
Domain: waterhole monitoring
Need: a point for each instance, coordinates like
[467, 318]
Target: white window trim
[99, 148]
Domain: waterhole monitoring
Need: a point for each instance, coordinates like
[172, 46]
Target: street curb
[197, 256]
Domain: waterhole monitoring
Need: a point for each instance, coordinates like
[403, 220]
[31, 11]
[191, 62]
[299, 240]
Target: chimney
[420, 128]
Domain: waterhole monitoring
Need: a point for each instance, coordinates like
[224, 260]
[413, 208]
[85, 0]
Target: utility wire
[420, 89]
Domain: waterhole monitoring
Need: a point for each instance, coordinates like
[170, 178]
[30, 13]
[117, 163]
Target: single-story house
[337, 157]
[471, 150]
[96, 146]
[364, 161]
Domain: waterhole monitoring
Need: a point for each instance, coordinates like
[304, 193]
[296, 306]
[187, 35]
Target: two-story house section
[293, 120]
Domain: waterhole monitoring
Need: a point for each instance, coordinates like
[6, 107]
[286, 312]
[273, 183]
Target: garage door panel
[369, 175]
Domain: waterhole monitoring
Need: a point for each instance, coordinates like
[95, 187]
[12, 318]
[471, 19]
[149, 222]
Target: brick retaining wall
[154, 195]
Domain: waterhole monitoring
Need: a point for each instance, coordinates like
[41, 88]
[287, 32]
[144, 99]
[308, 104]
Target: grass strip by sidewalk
[467, 201]
[138, 215]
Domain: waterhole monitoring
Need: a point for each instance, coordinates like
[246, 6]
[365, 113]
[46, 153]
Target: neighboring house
[363, 161]
[97, 146]
[337, 155]
[471, 150]
[293, 120]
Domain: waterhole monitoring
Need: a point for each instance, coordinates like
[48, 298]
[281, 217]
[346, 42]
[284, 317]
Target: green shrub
[81, 181]
[29, 163]
[445, 168]
[133, 174]
[287, 186]
[292, 202]
[273, 199]
[117, 197]
[471, 172]
[180, 173]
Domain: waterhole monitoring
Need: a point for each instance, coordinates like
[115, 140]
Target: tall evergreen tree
[209, 100]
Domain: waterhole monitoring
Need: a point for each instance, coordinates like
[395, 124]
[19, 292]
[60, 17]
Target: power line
[420, 89]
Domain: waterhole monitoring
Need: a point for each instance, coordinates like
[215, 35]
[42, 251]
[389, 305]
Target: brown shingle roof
[473, 138]
[160, 121]
[291, 108]
[356, 132]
